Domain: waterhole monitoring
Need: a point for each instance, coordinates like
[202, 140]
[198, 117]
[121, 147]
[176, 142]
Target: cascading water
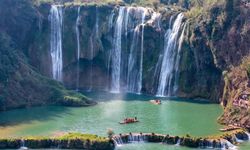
[177, 62]
[134, 77]
[116, 53]
[56, 19]
[23, 147]
[110, 27]
[78, 46]
[178, 142]
[165, 86]
[141, 55]
[129, 30]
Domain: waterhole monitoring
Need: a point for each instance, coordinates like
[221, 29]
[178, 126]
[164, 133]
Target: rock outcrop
[236, 96]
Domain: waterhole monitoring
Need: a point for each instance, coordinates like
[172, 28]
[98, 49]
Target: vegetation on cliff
[22, 86]
[236, 95]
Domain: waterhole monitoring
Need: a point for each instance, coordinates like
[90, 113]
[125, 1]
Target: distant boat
[129, 120]
[230, 128]
[156, 102]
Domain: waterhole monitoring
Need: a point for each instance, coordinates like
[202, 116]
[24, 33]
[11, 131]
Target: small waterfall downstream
[167, 70]
[78, 46]
[248, 135]
[23, 147]
[56, 19]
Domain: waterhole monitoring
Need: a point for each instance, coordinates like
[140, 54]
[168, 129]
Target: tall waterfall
[134, 77]
[170, 55]
[177, 62]
[56, 19]
[129, 31]
[141, 54]
[78, 46]
[116, 52]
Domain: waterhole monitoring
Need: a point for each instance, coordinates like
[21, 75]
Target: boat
[156, 102]
[129, 120]
[230, 128]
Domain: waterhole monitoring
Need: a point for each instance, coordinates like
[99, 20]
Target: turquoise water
[174, 117]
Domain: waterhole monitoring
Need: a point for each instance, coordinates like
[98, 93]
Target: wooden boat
[230, 128]
[156, 102]
[128, 121]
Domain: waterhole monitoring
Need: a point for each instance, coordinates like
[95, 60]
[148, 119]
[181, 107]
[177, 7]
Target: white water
[78, 46]
[168, 63]
[129, 31]
[118, 141]
[177, 62]
[141, 55]
[178, 142]
[116, 53]
[134, 77]
[23, 147]
[248, 134]
[56, 19]
[228, 145]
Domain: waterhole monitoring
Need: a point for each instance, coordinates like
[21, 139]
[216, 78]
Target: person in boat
[135, 119]
[158, 101]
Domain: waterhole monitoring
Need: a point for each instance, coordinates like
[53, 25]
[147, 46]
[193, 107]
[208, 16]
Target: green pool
[175, 116]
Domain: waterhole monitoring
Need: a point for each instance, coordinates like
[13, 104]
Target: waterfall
[131, 138]
[248, 135]
[178, 142]
[237, 139]
[23, 147]
[129, 31]
[56, 19]
[169, 56]
[116, 53]
[177, 63]
[118, 141]
[228, 145]
[134, 77]
[78, 46]
[141, 55]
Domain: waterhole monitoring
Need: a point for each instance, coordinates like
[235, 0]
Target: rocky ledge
[227, 140]
[69, 141]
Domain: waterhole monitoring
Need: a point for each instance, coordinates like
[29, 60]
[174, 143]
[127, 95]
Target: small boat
[128, 121]
[156, 102]
[230, 128]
